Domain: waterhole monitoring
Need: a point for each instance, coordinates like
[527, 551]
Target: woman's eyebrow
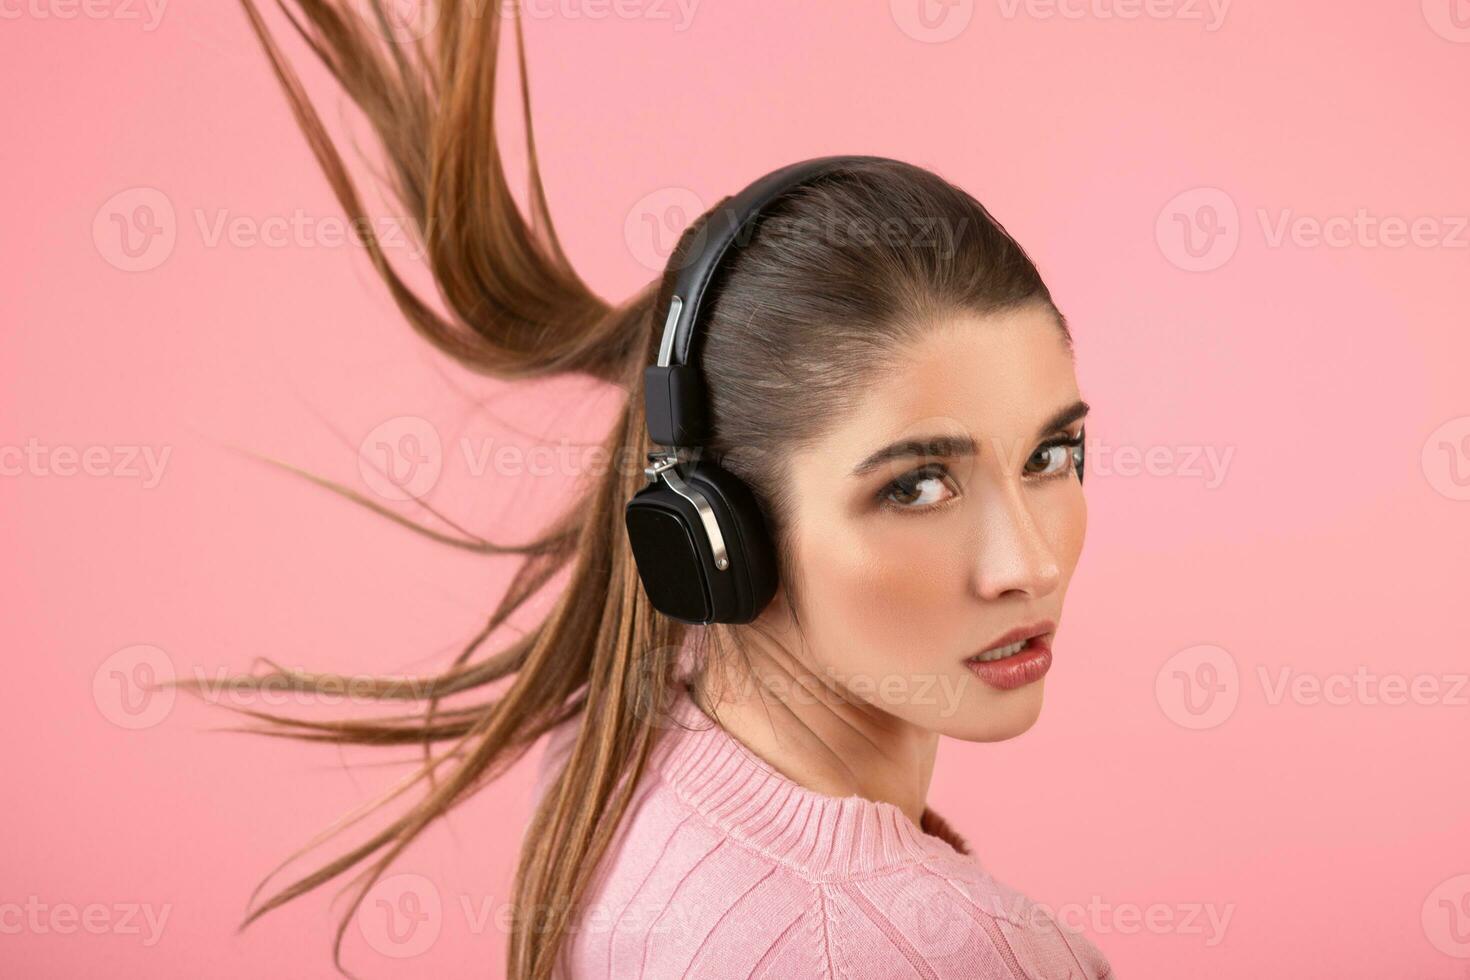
[945, 446]
[1064, 417]
[953, 446]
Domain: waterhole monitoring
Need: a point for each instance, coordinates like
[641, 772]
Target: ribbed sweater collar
[823, 836]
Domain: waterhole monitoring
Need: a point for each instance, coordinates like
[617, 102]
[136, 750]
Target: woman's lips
[1019, 669]
[1041, 626]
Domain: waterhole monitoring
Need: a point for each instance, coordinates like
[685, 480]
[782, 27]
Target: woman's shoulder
[714, 908]
[955, 919]
[680, 897]
[725, 868]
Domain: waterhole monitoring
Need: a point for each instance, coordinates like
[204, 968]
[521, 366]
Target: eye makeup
[1071, 443]
[910, 482]
[963, 445]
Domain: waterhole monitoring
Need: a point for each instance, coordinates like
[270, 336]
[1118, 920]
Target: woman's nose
[1013, 554]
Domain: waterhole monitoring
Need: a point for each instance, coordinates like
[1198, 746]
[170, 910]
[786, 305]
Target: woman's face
[911, 564]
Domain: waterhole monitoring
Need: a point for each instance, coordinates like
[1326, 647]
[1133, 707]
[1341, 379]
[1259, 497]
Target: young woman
[888, 376]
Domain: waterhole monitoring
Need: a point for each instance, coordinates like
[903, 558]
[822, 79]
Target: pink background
[1328, 380]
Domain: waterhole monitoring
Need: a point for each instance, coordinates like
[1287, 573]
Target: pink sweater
[725, 868]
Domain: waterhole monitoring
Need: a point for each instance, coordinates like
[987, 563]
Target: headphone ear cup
[676, 562]
[663, 532]
[745, 588]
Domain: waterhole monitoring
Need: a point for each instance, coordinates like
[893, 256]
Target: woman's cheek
[1066, 531]
[884, 593]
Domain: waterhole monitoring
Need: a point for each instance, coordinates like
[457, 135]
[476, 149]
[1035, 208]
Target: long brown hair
[838, 275]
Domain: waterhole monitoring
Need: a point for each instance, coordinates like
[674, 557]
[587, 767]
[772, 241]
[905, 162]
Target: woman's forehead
[980, 377]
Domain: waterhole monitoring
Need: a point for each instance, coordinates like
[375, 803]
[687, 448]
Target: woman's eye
[931, 486]
[1053, 458]
[918, 490]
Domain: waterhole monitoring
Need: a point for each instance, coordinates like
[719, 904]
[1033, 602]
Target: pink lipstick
[1015, 659]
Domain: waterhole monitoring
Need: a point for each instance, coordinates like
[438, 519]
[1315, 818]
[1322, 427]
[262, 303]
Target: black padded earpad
[676, 562]
[744, 589]
[665, 534]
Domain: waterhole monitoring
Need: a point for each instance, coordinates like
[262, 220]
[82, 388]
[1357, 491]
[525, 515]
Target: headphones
[701, 543]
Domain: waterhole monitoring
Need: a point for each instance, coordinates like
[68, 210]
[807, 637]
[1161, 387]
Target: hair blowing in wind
[802, 320]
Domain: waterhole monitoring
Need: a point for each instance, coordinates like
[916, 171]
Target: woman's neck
[826, 741]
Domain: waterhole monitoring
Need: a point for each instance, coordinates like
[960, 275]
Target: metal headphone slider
[667, 462]
[663, 459]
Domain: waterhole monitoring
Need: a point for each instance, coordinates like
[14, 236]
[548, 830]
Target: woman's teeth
[1000, 653]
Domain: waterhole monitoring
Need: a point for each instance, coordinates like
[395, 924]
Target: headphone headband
[675, 400]
[699, 535]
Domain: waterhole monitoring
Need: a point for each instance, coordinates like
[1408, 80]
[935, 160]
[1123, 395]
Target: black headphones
[702, 546]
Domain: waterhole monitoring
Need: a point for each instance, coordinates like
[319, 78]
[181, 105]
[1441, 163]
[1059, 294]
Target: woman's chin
[999, 715]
